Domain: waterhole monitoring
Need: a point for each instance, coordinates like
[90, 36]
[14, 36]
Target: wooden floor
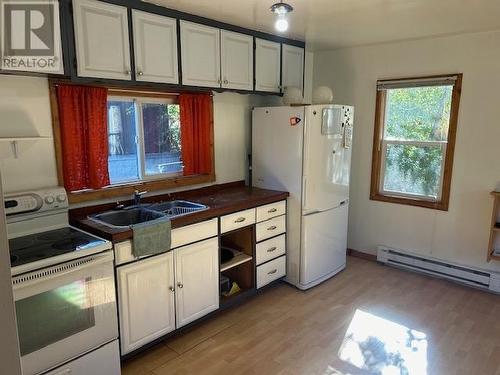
[370, 319]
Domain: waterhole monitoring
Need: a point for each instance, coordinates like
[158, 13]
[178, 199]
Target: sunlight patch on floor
[384, 347]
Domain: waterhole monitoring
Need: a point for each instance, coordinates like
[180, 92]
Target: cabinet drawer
[271, 271]
[271, 228]
[271, 210]
[194, 232]
[270, 249]
[237, 220]
[104, 361]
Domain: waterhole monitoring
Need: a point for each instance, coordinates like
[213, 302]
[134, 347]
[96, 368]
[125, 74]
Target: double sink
[125, 217]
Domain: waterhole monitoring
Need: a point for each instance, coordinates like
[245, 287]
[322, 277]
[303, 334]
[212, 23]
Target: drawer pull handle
[273, 271]
[240, 220]
[172, 289]
[271, 249]
[272, 210]
[180, 285]
[273, 227]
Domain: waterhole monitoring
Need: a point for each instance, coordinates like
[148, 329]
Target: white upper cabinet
[155, 47]
[102, 40]
[293, 67]
[146, 301]
[200, 55]
[236, 60]
[267, 65]
[197, 280]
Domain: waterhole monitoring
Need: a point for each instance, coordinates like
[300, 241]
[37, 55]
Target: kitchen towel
[151, 237]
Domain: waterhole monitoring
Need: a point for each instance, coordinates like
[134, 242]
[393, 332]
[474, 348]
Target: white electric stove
[39, 232]
[64, 288]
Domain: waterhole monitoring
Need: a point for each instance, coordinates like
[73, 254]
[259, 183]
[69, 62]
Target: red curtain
[196, 120]
[84, 136]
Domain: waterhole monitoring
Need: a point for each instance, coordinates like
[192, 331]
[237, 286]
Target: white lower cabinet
[197, 280]
[155, 293]
[270, 250]
[146, 301]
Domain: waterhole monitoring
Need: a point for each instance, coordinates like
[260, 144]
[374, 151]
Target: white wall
[461, 234]
[25, 111]
[232, 123]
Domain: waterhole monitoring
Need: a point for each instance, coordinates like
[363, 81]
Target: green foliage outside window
[416, 114]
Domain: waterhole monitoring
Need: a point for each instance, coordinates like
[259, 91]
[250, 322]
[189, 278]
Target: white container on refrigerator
[306, 151]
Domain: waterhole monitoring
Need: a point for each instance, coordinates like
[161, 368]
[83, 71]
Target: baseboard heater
[478, 278]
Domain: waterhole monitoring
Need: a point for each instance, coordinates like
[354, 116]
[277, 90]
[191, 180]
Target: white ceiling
[326, 24]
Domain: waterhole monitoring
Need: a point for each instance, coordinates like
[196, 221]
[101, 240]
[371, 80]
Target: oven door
[65, 310]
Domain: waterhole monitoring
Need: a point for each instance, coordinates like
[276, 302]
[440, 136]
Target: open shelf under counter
[236, 261]
[228, 301]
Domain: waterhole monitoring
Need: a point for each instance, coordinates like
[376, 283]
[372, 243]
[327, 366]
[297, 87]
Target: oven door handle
[46, 274]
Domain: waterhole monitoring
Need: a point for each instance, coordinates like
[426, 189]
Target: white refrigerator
[306, 150]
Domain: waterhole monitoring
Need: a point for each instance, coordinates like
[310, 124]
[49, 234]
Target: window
[144, 139]
[110, 142]
[414, 139]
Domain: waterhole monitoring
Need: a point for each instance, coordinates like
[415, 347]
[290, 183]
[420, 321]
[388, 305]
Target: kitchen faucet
[137, 196]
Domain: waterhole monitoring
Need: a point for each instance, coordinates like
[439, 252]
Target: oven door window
[51, 316]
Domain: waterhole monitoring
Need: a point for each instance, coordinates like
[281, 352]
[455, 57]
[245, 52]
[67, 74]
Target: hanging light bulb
[281, 10]
[281, 24]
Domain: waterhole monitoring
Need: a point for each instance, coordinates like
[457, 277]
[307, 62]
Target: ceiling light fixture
[281, 10]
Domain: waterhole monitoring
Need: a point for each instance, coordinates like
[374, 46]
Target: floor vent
[465, 275]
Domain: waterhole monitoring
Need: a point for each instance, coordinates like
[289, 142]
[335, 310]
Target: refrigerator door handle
[311, 212]
[317, 211]
[304, 192]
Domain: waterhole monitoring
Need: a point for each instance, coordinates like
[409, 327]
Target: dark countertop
[221, 200]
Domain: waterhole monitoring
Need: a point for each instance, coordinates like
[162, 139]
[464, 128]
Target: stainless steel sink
[126, 217]
[177, 208]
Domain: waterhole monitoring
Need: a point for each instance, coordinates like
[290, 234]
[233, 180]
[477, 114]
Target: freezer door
[327, 158]
[324, 244]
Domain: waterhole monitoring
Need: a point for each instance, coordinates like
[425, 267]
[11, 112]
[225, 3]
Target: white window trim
[141, 149]
[385, 142]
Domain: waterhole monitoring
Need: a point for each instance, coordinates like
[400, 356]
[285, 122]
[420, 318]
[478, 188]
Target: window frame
[380, 144]
[121, 190]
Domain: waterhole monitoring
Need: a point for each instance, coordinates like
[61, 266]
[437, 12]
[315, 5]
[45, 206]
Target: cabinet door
[155, 47]
[267, 65]
[145, 301]
[200, 55]
[293, 67]
[102, 40]
[197, 280]
[236, 60]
